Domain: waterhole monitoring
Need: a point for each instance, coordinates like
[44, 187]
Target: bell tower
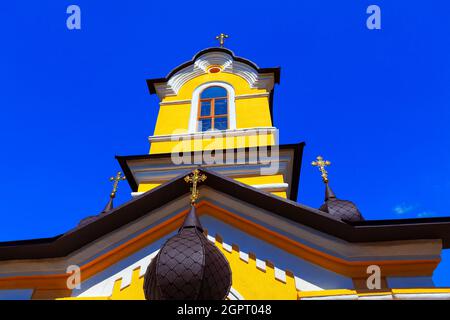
[219, 107]
[216, 100]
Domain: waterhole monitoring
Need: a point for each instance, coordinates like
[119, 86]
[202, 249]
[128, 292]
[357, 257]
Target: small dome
[188, 267]
[341, 209]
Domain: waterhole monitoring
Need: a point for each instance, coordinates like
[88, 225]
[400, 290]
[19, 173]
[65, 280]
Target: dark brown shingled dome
[340, 209]
[188, 267]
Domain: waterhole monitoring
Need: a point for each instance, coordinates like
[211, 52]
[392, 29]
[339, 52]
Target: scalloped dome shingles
[340, 209]
[188, 267]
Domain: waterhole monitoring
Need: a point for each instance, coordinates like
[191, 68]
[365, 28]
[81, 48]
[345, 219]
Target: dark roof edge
[296, 169]
[405, 229]
[398, 222]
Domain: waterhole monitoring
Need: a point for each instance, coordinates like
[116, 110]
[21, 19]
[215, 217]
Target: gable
[315, 260]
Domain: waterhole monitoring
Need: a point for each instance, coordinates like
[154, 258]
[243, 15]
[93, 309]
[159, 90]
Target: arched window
[213, 109]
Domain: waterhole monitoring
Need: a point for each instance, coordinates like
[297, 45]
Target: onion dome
[109, 206]
[188, 267]
[340, 209]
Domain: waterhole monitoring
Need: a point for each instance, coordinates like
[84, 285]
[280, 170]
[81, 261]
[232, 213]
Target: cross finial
[221, 37]
[321, 164]
[116, 180]
[194, 178]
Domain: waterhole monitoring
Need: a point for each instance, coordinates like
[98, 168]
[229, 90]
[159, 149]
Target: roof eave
[406, 229]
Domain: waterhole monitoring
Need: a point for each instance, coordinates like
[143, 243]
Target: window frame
[212, 115]
[193, 122]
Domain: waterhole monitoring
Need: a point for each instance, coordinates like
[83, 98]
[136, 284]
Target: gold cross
[194, 178]
[322, 164]
[221, 37]
[116, 183]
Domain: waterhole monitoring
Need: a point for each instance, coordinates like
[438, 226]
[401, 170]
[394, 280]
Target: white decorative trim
[304, 285]
[201, 66]
[235, 295]
[175, 102]
[261, 264]
[300, 284]
[243, 256]
[237, 97]
[377, 297]
[280, 274]
[105, 287]
[403, 296]
[422, 296]
[195, 101]
[212, 133]
[136, 194]
[250, 96]
[227, 247]
[272, 187]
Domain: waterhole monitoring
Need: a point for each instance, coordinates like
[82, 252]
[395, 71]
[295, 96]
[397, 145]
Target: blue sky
[374, 102]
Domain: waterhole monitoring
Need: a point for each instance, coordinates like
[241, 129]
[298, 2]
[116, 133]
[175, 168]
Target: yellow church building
[214, 213]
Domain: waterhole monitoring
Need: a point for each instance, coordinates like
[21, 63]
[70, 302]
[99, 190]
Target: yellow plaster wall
[240, 85]
[174, 118]
[278, 178]
[212, 143]
[253, 283]
[247, 279]
[134, 291]
[281, 194]
[250, 180]
[147, 186]
[254, 112]
[256, 284]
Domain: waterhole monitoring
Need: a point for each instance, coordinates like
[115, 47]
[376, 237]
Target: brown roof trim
[296, 169]
[405, 229]
[391, 222]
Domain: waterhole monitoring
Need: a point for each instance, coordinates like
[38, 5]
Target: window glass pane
[220, 107]
[204, 124]
[213, 92]
[205, 109]
[221, 123]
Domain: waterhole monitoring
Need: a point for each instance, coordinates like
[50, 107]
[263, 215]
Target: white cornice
[237, 97]
[250, 96]
[165, 103]
[212, 134]
[271, 187]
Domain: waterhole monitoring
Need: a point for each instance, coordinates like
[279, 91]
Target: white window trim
[195, 100]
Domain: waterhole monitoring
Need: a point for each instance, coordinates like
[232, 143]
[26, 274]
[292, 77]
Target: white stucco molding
[214, 58]
[212, 134]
